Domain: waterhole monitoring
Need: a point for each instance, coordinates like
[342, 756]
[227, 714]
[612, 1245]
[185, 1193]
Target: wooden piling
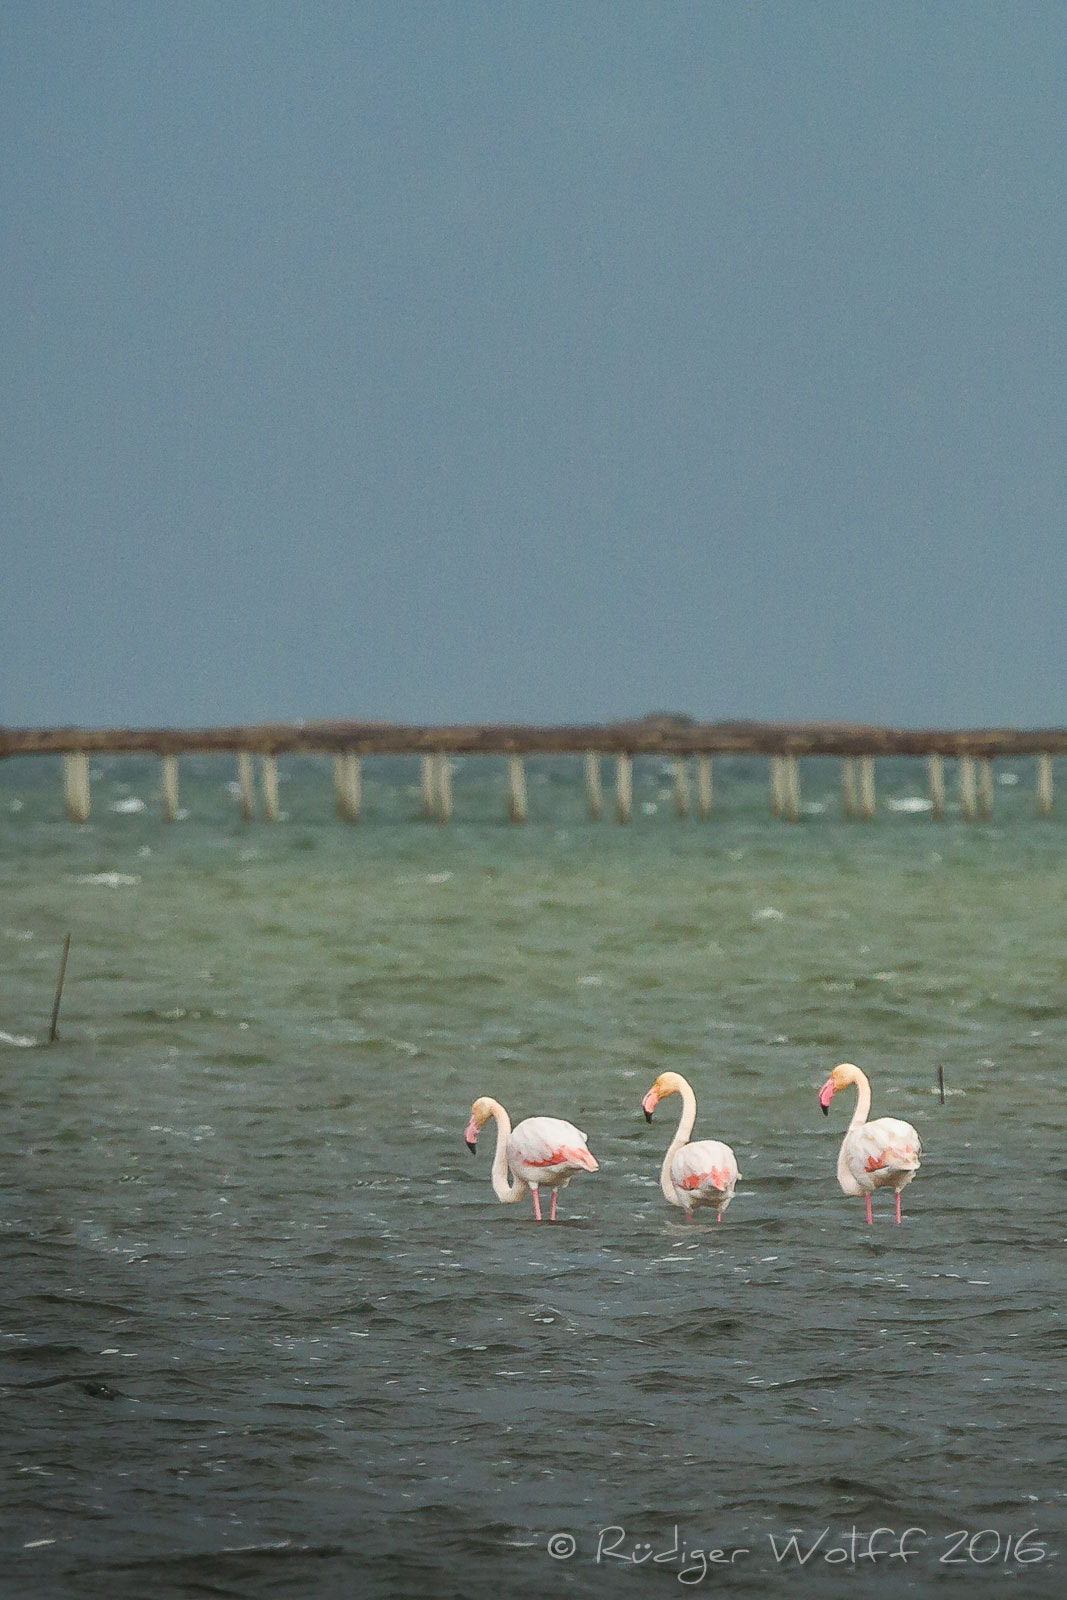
[985, 788]
[268, 777]
[168, 788]
[967, 789]
[935, 771]
[76, 786]
[791, 788]
[848, 787]
[624, 788]
[1044, 786]
[704, 787]
[593, 792]
[681, 787]
[777, 788]
[347, 786]
[429, 785]
[246, 785]
[443, 786]
[867, 796]
[516, 789]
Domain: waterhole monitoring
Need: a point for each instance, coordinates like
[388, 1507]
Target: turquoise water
[265, 1328]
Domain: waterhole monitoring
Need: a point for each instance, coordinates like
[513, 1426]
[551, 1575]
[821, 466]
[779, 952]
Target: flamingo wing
[704, 1173]
[546, 1150]
[879, 1154]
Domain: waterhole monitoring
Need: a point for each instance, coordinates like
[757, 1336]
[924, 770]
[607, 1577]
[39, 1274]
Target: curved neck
[504, 1187]
[863, 1098]
[685, 1128]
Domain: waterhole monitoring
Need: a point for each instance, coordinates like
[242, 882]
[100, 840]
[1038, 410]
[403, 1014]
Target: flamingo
[883, 1154]
[541, 1150]
[700, 1174]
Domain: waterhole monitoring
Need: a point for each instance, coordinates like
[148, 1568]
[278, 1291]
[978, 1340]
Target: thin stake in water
[59, 990]
[941, 1082]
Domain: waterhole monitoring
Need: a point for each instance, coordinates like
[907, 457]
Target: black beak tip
[648, 1116]
[471, 1146]
[826, 1111]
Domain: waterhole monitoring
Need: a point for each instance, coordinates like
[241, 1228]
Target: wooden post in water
[791, 788]
[516, 789]
[968, 792]
[935, 770]
[704, 787]
[593, 792]
[347, 785]
[985, 788]
[777, 790]
[168, 774]
[76, 786]
[681, 787]
[443, 785]
[867, 799]
[624, 787]
[848, 786]
[268, 777]
[1044, 786]
[246, 785]
[429, 785]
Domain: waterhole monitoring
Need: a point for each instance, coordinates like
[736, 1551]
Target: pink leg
[868, 1208]
[898, 1205]
[718, 1217]
[552, 1208]
[537, 1203]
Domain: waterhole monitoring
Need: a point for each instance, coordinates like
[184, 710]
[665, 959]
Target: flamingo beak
[470, 1134]
[649, 1103]
[826, 1094]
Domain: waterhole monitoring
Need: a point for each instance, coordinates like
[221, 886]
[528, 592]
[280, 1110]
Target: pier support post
[848, 787]
[443, 786]
[985, 788]
[1044, 786]
[867, 799]
[704, 787]
[777, 786]
[593, 793]
[624, 787]
[246, 785]
[268, 777]
[168, 774]
[967, 788]
[347, 785]
[516, 789]
[76, 786]
[681, 787]
[791, 788]
[935, 771]
[428, 765]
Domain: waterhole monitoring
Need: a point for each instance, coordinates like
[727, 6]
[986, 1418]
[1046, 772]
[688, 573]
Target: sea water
[267, 1331]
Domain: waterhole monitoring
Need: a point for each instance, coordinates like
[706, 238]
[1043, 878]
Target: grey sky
[533, 360]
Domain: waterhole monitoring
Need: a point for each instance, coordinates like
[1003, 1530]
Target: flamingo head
[481, 1111]
[667, 1083]
[838, 1079]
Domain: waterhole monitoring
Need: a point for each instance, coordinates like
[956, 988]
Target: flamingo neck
[504, 1186]
[685, 1128]
[863, 1099]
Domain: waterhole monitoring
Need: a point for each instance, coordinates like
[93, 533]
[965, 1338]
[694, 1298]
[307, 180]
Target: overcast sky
[540, 361]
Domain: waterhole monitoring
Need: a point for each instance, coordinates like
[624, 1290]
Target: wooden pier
[681, 740]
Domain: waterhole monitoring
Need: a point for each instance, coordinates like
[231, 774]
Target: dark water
[265, 1329]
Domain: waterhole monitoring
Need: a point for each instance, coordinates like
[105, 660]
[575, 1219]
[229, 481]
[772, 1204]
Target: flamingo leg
[869, 1208]
[898, 1204]
[555, 1196]
[536, 1201]
[718, 1217]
